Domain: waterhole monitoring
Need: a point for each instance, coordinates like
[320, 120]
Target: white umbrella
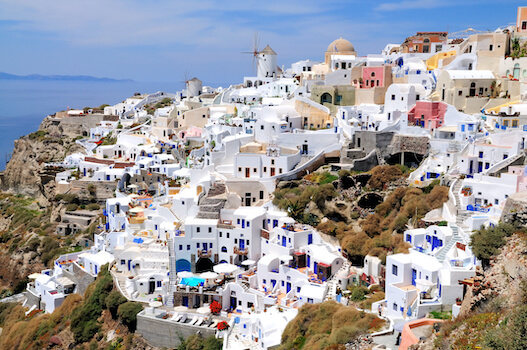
[225, 268]
[181, 308]
[209, 275]
[34, 275]
[203, 310]
[286, 257]
[248, 262]
[133, 186]
[155, 304]
[185, 274]
[137, 210]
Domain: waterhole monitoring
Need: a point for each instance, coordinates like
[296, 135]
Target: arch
[472, 91]
[516, 71]
[204, 264]
[326, 98]
[372, 74]
[249, 83]
[183, 265]
[224, 249]
[426, 40]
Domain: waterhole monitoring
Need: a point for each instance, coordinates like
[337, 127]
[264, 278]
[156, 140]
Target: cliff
[52, 142]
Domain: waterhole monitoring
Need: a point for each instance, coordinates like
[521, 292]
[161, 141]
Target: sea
[25, 103]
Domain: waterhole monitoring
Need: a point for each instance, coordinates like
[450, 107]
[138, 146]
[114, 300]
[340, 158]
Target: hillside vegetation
[319, 326]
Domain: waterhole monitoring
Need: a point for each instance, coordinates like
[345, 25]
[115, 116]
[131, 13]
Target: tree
[127, 313]
[487, 241]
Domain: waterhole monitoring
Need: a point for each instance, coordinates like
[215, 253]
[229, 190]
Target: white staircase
[172, 278]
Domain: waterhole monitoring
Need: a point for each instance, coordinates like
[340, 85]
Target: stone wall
[81, 278]
[162, 333]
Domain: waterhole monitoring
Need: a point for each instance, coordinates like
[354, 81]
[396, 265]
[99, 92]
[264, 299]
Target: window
[158, 284]
[496, 201]
[239, 169]
[123, 262]
[372, 74]
[394, 307]
[236, 241]
[246, 242]
[210, 245]
[197, 245]
[394, 270]
[524, 25]
[261, 127]
[261, 194]
[181, 247]
[228, 235]
[224, 250]
[265, 169]
[459, 93]
[514, 123]
[210, 229]
[272, 161]
[505, 156]
[480, 154]
[491, 47]
[254, 170]
[221, 234]
[417, 97]
[248, 224]
[198, 229]
[393, 97]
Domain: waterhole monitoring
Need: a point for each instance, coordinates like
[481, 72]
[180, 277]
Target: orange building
[425, 42]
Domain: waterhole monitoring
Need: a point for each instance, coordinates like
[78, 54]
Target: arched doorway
[472, 89]
[516, 71]
[204, 264]
[326, 98]
[182, 265]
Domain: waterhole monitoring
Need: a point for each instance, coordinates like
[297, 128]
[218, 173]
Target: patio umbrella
[209, 275]
[155, 304]
[132, 186]
[225, 268]
[248, 262]
[137, 210]
[185, 274]
[204, 310]
[181, 308]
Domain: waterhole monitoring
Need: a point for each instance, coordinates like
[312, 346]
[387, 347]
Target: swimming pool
[192, 281]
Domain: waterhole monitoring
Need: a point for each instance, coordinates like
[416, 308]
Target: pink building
[376, 76]
[427, 114]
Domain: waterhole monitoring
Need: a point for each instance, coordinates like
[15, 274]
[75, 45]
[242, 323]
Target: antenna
[255, 51]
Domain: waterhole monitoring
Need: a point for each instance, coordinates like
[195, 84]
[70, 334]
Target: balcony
[239, 251]
[264, 234]
[204, 253]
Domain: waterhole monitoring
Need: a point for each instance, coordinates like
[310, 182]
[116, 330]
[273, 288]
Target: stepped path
[211, 205]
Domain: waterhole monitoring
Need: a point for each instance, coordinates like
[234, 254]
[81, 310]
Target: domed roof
[340, 45]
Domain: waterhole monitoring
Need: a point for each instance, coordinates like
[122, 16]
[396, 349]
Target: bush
[487, 241]
[93, 206]
[72, 207]
[359, 293]
[127, 313]
[113, 301]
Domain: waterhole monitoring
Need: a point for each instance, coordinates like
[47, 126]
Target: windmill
[185, 81]
[255, 52]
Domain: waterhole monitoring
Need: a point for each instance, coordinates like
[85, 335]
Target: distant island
[7, 76]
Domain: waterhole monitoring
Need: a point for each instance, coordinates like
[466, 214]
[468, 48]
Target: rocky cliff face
[53, 141]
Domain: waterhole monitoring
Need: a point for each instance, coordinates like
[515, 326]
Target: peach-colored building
[521, 20]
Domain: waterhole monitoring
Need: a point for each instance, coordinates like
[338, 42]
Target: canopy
[225, 268]
[204, 310]
[181, 308]
[34, 275]
[133, 186]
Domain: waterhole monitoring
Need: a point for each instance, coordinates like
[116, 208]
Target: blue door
[242, 243]
[284, 241]
[243, 223]
[414, 276]
[184, 301]
[129, 264]
[275, 223]
[310, 238]
[288, 288]
[480, 167]
[315, 267]
[273, 282]
[95, 269]
[308, 260]
[435, 243]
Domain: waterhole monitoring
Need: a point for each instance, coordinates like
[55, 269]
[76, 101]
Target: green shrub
[113, 301]
[72, 207]
[127, 313]
[93, 206]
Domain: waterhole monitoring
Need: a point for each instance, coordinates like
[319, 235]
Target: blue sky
[159, 40]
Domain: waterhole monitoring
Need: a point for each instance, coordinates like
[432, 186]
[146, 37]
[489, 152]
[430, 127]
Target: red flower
[223, 326]
[215, 307]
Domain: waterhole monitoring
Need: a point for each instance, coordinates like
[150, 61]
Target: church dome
[340, 45]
